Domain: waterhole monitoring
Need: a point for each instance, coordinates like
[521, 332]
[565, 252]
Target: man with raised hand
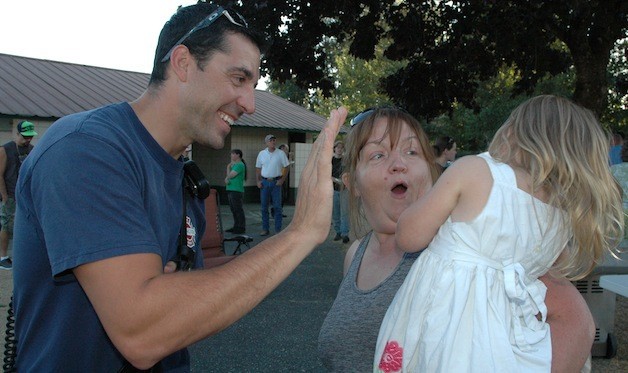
[102, 204]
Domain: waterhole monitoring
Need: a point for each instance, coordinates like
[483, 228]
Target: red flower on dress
[391, 358]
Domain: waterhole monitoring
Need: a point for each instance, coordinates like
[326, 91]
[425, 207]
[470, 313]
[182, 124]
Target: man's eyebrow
[247, 72]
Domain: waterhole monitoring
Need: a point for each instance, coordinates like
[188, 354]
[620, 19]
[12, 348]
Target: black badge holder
[194, 185]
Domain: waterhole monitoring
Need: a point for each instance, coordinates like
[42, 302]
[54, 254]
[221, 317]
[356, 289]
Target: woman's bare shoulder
[350, 254]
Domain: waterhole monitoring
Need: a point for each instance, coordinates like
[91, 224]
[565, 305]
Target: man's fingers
[326, 138]
[170, 267]
[334, 126]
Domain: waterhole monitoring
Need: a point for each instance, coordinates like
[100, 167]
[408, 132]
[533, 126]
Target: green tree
[290, 91]
[451, 46]
[473, 129]
[357, 81]
[616, 113]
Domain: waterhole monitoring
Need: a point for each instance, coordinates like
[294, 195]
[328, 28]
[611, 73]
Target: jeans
[271, 192]
[340, 213]
[235, 203]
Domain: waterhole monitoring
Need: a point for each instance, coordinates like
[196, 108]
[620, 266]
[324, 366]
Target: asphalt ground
[281, 333]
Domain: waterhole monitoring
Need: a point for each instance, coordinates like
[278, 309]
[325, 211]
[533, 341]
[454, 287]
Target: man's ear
[180, 62]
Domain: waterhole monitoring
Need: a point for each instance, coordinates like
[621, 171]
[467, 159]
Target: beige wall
[301, 152]
[213, 162]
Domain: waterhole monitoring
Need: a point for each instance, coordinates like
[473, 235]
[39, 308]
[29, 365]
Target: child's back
[479, 288]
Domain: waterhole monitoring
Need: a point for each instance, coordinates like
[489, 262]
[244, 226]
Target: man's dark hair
[201, 43]
[443, 143]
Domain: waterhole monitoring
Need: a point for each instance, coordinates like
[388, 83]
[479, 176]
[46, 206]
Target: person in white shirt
[271, 169]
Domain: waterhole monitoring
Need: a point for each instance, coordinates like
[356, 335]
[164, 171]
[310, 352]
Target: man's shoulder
[262, 153]
[112, 113]
[104, 122]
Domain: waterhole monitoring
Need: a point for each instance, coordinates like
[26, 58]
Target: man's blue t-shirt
[96, 186]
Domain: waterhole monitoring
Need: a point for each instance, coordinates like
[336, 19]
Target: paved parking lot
[280, 334]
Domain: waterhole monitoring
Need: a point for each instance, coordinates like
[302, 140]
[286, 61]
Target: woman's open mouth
[399, 189]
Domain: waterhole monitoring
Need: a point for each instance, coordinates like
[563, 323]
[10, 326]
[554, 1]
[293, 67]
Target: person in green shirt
[236, 174]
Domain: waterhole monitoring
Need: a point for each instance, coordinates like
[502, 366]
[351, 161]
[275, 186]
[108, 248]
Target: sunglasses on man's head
[206, 22]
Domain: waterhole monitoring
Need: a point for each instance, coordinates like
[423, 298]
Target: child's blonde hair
[565, 151]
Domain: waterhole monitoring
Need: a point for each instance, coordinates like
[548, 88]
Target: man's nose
[247, 101]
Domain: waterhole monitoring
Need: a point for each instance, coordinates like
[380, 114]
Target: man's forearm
[155, 314]
[151, 314]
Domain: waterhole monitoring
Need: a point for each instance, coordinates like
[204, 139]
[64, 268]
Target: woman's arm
[571, 324]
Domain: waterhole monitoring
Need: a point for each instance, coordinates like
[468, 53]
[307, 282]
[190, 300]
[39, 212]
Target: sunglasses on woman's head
[361, 116]
[367, 113]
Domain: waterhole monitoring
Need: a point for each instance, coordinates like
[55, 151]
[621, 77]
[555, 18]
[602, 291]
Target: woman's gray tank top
[346, 342]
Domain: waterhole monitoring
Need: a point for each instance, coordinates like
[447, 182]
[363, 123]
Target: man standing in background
[12, 154]
[340, 212]
[270, 170]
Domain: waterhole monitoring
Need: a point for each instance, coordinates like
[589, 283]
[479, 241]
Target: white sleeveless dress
[469, 302]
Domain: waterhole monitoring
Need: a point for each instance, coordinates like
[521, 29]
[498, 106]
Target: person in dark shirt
[445, 149]
[12, 154]
[340, 214]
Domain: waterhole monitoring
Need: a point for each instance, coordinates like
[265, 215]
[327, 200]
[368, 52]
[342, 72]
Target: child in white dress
[542, 197]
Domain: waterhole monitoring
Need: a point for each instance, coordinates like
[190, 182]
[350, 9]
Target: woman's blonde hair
[357, 139]
[565, 151]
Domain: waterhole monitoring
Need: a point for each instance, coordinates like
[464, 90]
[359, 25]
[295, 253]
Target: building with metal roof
[43, 91]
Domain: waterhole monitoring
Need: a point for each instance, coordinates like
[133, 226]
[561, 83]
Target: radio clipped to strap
[195, 185]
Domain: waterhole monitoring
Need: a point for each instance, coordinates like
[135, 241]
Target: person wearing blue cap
[11, 156]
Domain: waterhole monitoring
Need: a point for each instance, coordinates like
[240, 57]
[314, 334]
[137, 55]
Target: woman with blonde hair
[542, 195]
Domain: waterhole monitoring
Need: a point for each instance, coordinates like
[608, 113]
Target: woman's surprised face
[390, 175]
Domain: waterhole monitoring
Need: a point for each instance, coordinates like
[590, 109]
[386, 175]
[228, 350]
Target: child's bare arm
[461, 191]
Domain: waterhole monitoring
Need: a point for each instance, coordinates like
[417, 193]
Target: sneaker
[345, 239]
[6, 264]
[230, 230]
[237, 230]
[264, 233]
[338, 237]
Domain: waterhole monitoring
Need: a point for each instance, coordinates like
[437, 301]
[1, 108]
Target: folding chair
[213, 240]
